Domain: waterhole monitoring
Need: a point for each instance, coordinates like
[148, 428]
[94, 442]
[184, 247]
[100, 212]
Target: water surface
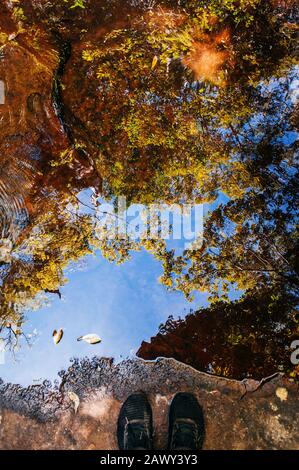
[155, 103]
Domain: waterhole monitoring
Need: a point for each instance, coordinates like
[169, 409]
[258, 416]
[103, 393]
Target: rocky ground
[81, 411]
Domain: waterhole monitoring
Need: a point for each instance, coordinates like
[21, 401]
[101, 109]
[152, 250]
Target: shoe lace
[185, 434]
[137, 435]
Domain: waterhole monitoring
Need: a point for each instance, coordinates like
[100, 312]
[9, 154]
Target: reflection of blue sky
[123, 304]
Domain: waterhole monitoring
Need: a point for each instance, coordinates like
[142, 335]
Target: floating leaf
[75, 400]
[282, 393]
[91, 338]
[57, 336]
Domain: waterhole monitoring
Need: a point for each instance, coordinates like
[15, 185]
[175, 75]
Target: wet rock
[43, 416]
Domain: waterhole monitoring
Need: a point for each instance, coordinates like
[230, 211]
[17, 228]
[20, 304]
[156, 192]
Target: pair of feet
[186, 424]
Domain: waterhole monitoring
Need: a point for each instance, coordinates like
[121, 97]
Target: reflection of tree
[178, 103]
[153, 131]
[247, 338]
[251, 241]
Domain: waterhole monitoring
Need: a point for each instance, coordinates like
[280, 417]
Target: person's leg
[135, 424]
[186, 423]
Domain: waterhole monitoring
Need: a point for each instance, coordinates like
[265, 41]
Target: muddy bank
[261, 415]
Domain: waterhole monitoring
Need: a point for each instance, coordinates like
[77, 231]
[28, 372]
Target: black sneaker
[186, 423]
[135, 424]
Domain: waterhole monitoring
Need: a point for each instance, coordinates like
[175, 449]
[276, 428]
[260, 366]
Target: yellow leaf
[75, 400]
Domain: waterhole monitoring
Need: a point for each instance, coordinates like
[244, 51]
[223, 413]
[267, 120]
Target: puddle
[160, 138]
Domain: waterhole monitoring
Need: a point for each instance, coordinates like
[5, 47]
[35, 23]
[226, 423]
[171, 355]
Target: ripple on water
[13, 211]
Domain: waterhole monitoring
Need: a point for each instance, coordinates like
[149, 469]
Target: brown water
[158, 102]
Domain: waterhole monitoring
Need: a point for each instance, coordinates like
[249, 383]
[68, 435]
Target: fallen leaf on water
[282, 393]
[75, 400]
[57, 336]
[91, 338]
